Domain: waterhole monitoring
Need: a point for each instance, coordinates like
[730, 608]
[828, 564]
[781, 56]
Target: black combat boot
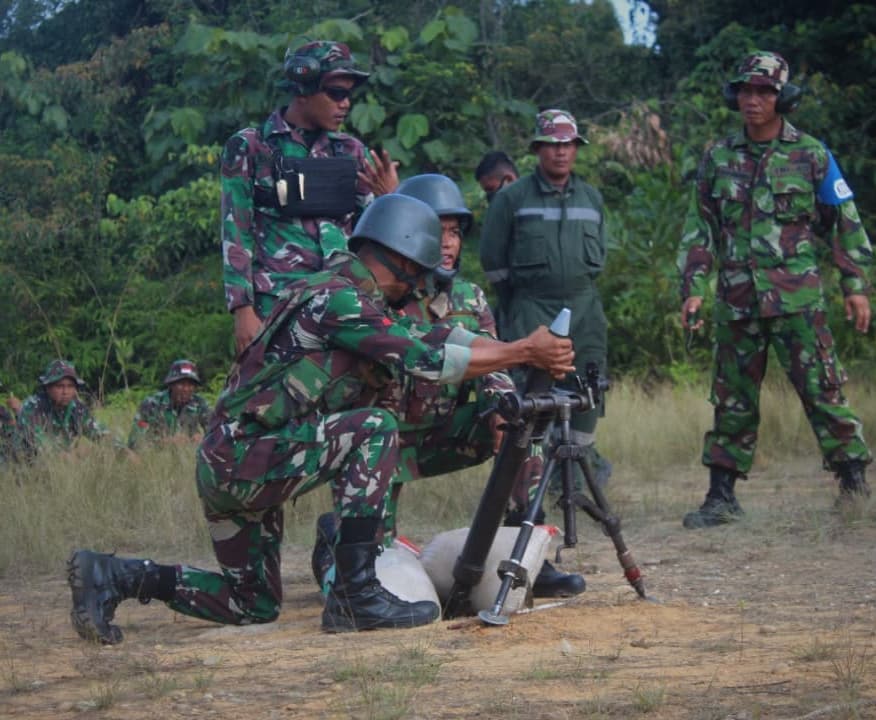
[549, 582]
[323, 556]
[99, 583]
[357, 601]
[720, 506]
[853, 481]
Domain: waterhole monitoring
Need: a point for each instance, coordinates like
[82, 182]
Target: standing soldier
[495, 170]
[293, 188]
[543, 245]
[762, 197]
[54, 416]
[297, 412]
[175, 411]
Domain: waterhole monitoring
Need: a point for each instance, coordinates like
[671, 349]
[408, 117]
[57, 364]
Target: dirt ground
[774, 617]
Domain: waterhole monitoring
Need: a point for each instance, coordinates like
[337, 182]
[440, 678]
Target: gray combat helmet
[404, 225]
[441, 194]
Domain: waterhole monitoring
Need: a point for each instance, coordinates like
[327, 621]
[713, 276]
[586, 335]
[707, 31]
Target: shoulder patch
[834, 190]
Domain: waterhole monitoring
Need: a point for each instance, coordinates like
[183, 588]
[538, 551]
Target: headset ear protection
[304, 71]
[787, 101]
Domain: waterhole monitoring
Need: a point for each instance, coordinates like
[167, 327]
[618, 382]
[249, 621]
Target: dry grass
[102, 499]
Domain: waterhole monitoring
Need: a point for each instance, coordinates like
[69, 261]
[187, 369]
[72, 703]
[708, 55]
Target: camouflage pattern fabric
[763, 68]
[294, 415]
[756, 212]
[156, 419]
[443, 428]
[556, 126]
[262, 252]
[42, 426]
[803, 345]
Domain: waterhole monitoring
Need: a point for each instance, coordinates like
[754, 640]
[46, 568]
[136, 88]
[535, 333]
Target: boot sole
[79, 564]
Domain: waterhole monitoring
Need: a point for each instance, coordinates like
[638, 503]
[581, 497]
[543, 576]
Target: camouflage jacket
[757, 209]
[418, 403]
[41, 425]
[327, 347]
[157, 418]
[263, 252]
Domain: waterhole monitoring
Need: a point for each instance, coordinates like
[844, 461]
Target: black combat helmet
[441, 194]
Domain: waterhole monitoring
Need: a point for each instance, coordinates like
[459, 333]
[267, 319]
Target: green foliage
[112, 116]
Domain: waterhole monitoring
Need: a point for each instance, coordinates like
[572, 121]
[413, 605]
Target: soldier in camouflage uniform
[54, 416]
[296, 413]
[445, 432]
[8, 426]
[265, 245]
[175, 411]
[762, 197]
[448, 427]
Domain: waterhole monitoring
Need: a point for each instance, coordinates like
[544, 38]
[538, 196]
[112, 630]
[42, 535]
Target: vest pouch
[271, 408]
[310, 387]
[315, 187]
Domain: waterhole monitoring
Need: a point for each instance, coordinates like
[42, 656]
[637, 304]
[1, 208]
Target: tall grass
[102, 499]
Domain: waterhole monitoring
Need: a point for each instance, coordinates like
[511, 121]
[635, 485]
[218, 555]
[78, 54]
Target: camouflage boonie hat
[58, 370]
[763, 68]
[556, 126]
[182, 370]
[306, 66]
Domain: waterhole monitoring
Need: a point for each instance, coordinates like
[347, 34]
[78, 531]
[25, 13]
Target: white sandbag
[440, 554]
[399, 570]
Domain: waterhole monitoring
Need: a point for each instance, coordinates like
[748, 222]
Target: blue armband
[833, 189]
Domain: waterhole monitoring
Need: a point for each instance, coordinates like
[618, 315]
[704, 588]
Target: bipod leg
[511, 571]
[599, 509]
[566, 453]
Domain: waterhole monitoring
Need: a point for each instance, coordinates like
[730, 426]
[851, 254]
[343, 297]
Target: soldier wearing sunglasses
[293, 188]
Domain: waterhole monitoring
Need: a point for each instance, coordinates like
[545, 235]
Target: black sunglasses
[338, 94]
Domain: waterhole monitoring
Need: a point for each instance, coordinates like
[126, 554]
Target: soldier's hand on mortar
[246, 327]
[858, 309]
[552, 353]
[382, 176]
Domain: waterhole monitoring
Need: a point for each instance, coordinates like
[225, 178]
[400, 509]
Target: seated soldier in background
[8, 425]
[173, 413]
[449, 427]
[297, 412]
[54, 417]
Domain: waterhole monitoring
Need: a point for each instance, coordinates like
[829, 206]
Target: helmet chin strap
[400, 274]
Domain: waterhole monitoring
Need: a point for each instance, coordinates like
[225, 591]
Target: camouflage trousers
[461, 440]
[804, 347]
[243, 485]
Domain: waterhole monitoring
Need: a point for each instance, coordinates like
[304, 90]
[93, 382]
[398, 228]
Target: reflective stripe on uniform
[555, 214]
